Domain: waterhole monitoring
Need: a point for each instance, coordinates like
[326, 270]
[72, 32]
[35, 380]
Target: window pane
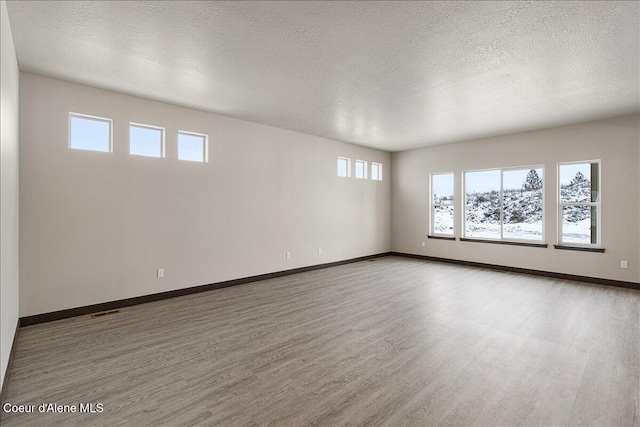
[375, 172]
[579, 224]
[442, 188]
[145, 141]
[89, 134]
[359, 169]
[443, 219]
[191, 147]
[522, 204]
[482, 208]
[342, 167]
[579, 183]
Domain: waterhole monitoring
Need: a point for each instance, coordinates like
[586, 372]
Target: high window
[192, 147]
[442, 204]
[344, 167]
[504, 204]
[361, 169]
[145, 140]
[579, 205]
[376, 171]
[89, 133]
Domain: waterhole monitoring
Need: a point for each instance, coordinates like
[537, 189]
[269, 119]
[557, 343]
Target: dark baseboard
[112, 305]
[7, 373]
[599, 281]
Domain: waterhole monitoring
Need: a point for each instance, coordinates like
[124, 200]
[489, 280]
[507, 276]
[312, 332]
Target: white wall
[8, 193]
[96, 226]
[615, 141]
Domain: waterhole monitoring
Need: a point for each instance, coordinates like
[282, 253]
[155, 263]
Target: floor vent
[106, 313]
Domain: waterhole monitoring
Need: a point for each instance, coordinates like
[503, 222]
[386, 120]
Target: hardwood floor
[391, 341]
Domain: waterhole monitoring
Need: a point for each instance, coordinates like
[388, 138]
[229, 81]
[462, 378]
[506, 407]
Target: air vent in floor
[105, 313]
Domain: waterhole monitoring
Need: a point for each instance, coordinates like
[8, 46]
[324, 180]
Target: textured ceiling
[389, 75]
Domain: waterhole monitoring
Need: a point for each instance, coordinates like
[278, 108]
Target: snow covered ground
[443, 220]
[518, 231]
[573, 232]
[577, 232]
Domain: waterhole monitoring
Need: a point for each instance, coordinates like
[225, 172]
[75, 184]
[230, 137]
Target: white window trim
[502, 238]
[365, 166]
[96, 118]
[597, 204]
[348, 167]
[379, 171]
[434, 205]
[204, 136]
[144, 126]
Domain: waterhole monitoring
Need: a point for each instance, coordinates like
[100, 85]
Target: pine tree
[577, 179]
[532, 181]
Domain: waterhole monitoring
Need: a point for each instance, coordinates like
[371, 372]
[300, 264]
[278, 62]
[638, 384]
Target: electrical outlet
[623, 264]
[423, 244]
[161, 272]
[319, 251]
[288, 255]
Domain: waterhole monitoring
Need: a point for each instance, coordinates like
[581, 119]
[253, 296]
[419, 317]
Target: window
[522, 204]
[361, 169]
[344, 167]
[89, 133]
[376, 171]
[504, 204]
[442, 204]
[579, 206]
[146, 140]
[192, 147]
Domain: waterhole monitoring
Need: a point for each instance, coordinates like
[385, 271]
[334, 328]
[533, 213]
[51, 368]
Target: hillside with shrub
[523, 211]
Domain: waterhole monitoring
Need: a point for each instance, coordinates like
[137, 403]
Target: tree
[578, 179]
[532, 181]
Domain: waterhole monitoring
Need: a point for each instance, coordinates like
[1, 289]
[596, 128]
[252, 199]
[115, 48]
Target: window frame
[348, 175]
[379, 165]
[597, 204]
[205, 145]
[365, 166]
[542, 241]
[433, 206]
[151, 127]
[94, 118]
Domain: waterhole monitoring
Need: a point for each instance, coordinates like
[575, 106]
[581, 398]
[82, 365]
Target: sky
[482, 181]
[568, 172]
[87, 134]
[145, 141]
[190, 147]
[443, 184]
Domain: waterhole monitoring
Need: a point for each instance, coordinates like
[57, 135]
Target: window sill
[579, 248]
[441, 237]
[502, 242]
